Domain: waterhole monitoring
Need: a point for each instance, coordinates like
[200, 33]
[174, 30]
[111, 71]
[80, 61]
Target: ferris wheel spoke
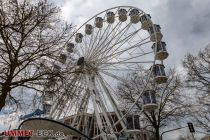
[80, 48]
[120, 63]
[122, 69]
[126, 39]
[91, 46]
[124, 60]
[87, 49]
[77, 52]
[113, 76]
[137, 34]
[104, 55]
[109, 47]
[68, 108]
[135, 48]
[84, 46]
[113, 55]
[60, 106]
[133, 57]
[129, 41]
[110, 35]
[57, 105]
[81, 110]
[64, 98]
[97, 40]
[137, 40]
[100, 40]
[125, 34]
[101, 37]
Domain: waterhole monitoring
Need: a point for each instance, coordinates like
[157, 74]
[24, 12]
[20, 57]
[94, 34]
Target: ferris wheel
[103, 51]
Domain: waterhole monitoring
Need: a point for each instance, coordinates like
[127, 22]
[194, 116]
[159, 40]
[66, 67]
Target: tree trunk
[157, 134]
[4, 92]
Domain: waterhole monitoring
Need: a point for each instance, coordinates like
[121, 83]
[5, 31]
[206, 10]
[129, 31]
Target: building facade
[87, 124]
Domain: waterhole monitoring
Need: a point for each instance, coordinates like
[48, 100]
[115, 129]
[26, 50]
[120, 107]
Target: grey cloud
[185, 26]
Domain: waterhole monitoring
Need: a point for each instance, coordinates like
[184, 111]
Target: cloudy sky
[185, 23]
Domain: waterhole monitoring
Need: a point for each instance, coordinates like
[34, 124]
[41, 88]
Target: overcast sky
[185, 23]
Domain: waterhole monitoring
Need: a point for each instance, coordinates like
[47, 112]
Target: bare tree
[30, 32]
[198, 80]
[169, 97]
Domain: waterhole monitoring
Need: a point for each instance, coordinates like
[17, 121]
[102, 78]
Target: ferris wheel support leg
[98, 118]
[118, 112]
[104, 111]
[52, 113]
[82, 108]
[97, 114]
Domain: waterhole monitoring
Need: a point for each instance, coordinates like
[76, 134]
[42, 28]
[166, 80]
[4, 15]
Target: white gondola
[48, 95]
[50, 82]
[88, 29]
[159, 74]
[122, 15]
[133, 122]
[110, 17]
[134, 14]
[133, 127]
[80, 61]
[155, 34]
[99, 22]
[56, 68]
[146, 22]
[70, 47]
[111, 137]
[149, 100]
[62, 58]
[47, 107]
[78, 37]
[161, 52]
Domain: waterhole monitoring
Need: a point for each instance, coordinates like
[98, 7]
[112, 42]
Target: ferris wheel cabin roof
[157, 65]
[122, 11]
[134, 12]
[110, 13]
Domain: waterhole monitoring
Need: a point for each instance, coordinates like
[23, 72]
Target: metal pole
[161, 136]
[193, 137]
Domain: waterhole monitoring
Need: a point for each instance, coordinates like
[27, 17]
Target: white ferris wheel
[103, 50]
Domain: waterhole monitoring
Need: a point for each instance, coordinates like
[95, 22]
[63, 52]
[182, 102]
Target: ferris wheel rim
[101, 13]
[153, 62]
[117, 7]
